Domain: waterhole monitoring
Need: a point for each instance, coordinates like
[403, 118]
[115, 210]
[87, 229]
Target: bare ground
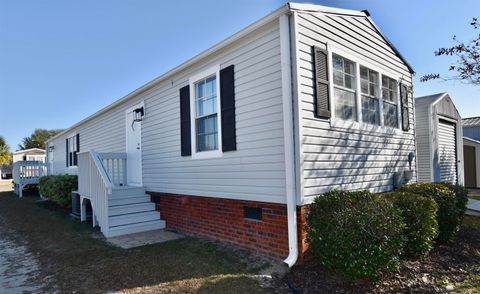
[64, 256]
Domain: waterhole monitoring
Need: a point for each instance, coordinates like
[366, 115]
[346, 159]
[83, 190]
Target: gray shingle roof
[471, 121]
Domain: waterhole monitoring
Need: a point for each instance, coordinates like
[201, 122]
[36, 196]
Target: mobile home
[234, 143]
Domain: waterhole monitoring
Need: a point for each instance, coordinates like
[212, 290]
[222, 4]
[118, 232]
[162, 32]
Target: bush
[420, 218]
[461, 194]
[448, 215]
[58, 188]
[358, 233]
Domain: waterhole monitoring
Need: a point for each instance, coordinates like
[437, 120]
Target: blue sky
[61, 61]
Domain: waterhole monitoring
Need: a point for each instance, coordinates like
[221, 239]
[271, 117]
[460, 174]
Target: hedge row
[364, 235]
[58, 188]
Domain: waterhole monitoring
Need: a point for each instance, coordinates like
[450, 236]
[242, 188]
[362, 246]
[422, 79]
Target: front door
[470, 166]
[133, 119]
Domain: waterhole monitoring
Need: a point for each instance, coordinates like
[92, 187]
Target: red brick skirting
[223, 220]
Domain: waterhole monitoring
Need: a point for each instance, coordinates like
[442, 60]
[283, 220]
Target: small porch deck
[117, 208]
[27, 173]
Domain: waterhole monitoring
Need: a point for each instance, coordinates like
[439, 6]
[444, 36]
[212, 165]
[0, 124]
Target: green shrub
[461, 194]
[357, 233]
[448, 215]
[58, 188]
[420, 218]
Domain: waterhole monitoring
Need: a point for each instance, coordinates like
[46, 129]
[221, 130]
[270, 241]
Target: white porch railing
[98, 174]
[27, 172]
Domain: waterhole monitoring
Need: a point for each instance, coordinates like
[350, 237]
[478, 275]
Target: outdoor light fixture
[138, 114]
[50, 148]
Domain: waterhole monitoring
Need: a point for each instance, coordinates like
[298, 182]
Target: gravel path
[18, 268]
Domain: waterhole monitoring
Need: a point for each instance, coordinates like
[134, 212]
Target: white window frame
[73, 135]
[214, 70]
[358, 124]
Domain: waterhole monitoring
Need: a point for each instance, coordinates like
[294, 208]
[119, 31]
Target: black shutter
[227, 98]
[185, 132]
[404, 106]
[75, 156]
[66, 151]
[322, 89]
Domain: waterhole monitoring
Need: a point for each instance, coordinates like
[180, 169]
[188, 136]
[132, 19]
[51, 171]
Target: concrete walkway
[143, 238]
[473, 207]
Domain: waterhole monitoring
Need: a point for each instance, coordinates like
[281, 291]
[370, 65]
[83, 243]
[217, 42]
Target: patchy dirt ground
[45, 251]
[455, 267]
[18, 267]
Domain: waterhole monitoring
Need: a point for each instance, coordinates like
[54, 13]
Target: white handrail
[98, 175]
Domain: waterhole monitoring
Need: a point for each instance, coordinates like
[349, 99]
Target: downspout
[286, 66]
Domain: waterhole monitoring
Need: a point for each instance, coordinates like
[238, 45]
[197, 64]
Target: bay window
[344, 81]
[390, 101]
[370, 96]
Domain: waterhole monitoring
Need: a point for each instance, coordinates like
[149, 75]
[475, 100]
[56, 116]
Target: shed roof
[430, 99]
[471, 121]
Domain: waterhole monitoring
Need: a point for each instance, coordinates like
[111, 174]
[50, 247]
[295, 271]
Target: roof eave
[226, 42]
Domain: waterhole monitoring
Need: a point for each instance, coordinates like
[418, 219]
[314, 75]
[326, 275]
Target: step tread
[143, 213]
[139, 224]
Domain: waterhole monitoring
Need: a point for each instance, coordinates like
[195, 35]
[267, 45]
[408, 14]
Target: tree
[5, 155]
[467, 67]
[37, 139]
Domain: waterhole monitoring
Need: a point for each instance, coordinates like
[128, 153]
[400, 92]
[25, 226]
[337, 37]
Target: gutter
[288, 126]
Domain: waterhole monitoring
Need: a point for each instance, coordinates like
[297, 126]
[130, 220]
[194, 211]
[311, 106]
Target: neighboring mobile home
[438, 127]
[235, 142]
[471, 127]
[33, 154]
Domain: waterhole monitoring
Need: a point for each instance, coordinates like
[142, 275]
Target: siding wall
[423, 140]
[472, 132]
[350, 157]
[256, 171]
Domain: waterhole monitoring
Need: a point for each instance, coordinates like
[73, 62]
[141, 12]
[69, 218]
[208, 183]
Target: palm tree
[4, 151]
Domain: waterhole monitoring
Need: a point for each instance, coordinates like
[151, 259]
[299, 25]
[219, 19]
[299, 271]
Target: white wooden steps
[130, 211]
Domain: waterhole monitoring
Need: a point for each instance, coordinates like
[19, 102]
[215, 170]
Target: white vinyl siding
[355, 155]
[255, 171]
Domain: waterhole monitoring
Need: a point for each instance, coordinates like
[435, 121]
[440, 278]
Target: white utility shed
[439, 139]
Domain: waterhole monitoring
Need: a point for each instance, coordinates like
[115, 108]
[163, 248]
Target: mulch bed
[449, 265]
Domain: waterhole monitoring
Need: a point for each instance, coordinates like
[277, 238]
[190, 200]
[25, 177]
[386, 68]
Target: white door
[447, 150]
[50, 159]
[134, 145]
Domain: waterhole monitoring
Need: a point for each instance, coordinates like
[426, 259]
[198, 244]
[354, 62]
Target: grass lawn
[73, 261]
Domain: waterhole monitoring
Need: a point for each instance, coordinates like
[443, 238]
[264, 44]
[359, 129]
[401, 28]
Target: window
[390, 100]
[344, 88]
[370, 96]
[206, 118]
[72, 150]
[206, 139]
